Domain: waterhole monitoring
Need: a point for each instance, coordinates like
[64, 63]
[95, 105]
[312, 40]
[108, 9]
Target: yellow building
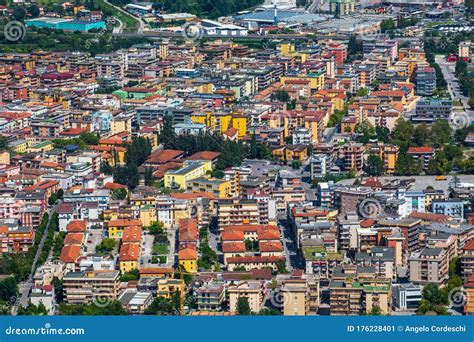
[44, 146]
[19, 146]
[316, 80]
[120, 124]
[192, 169]
[167, 287]
[116, 227]
[218, 187]
[187, 257]
[221, 122]
[295, 298]
[147, 215]
[4, 157]
[129, 256]
[239, 122]
[433, 195]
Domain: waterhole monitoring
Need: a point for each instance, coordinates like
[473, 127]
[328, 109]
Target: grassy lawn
[160, 249]
[129, 22]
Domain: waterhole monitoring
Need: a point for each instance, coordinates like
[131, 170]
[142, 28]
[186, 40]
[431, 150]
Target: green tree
[130, 275]
[243, 307]
[149, 180]
[269, 312]
[280, 95]
[281, 266]
[295, 164]
[52, 199]
[106, 246]
[362, 92]
[440, 133]
[119, 194]
[421, 135]
[374, 166]
[33, 310]
[439, 165]
[8, 289]
[406, 165]
[161, 306]
[403, 130]
[387, 25]
[89, 138]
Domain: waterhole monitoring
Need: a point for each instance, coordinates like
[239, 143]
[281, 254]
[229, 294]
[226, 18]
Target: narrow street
[27, 286]
[448, 70]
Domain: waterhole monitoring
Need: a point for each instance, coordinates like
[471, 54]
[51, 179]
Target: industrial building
[65, 24]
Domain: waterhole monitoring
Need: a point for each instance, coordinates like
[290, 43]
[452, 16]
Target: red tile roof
[469, 246]
[187, 253]
[76, 226]
[164, 156]
[233, 247]
[124, 223]
[254, 259]
[132, 234]
[422, 149]
[70, 253]
[130, 251]
[204, 155]
[270, 246]
[74, 239]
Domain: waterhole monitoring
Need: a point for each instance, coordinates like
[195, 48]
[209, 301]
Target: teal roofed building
[65, 24]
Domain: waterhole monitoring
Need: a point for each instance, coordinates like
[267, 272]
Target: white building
[301, 136]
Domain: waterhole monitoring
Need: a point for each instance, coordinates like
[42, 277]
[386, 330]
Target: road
[167, 34]
[448, 69]
[140, 21]
[118, 29]
[26, 287]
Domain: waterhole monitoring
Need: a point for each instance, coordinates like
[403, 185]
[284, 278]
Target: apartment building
[422, 154]
[467, 260]
[210, 296]
[87, 286]
[220, 188]
[235, 212]
[430, 265]
[356, 290]
[425, 81]
[252, 290]
[353, 156]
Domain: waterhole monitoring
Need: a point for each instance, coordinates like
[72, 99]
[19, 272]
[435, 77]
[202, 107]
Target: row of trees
[231, 153]
[449, 155]
[211, 9]
[137, 152]
[466, 81]
[20, 264]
